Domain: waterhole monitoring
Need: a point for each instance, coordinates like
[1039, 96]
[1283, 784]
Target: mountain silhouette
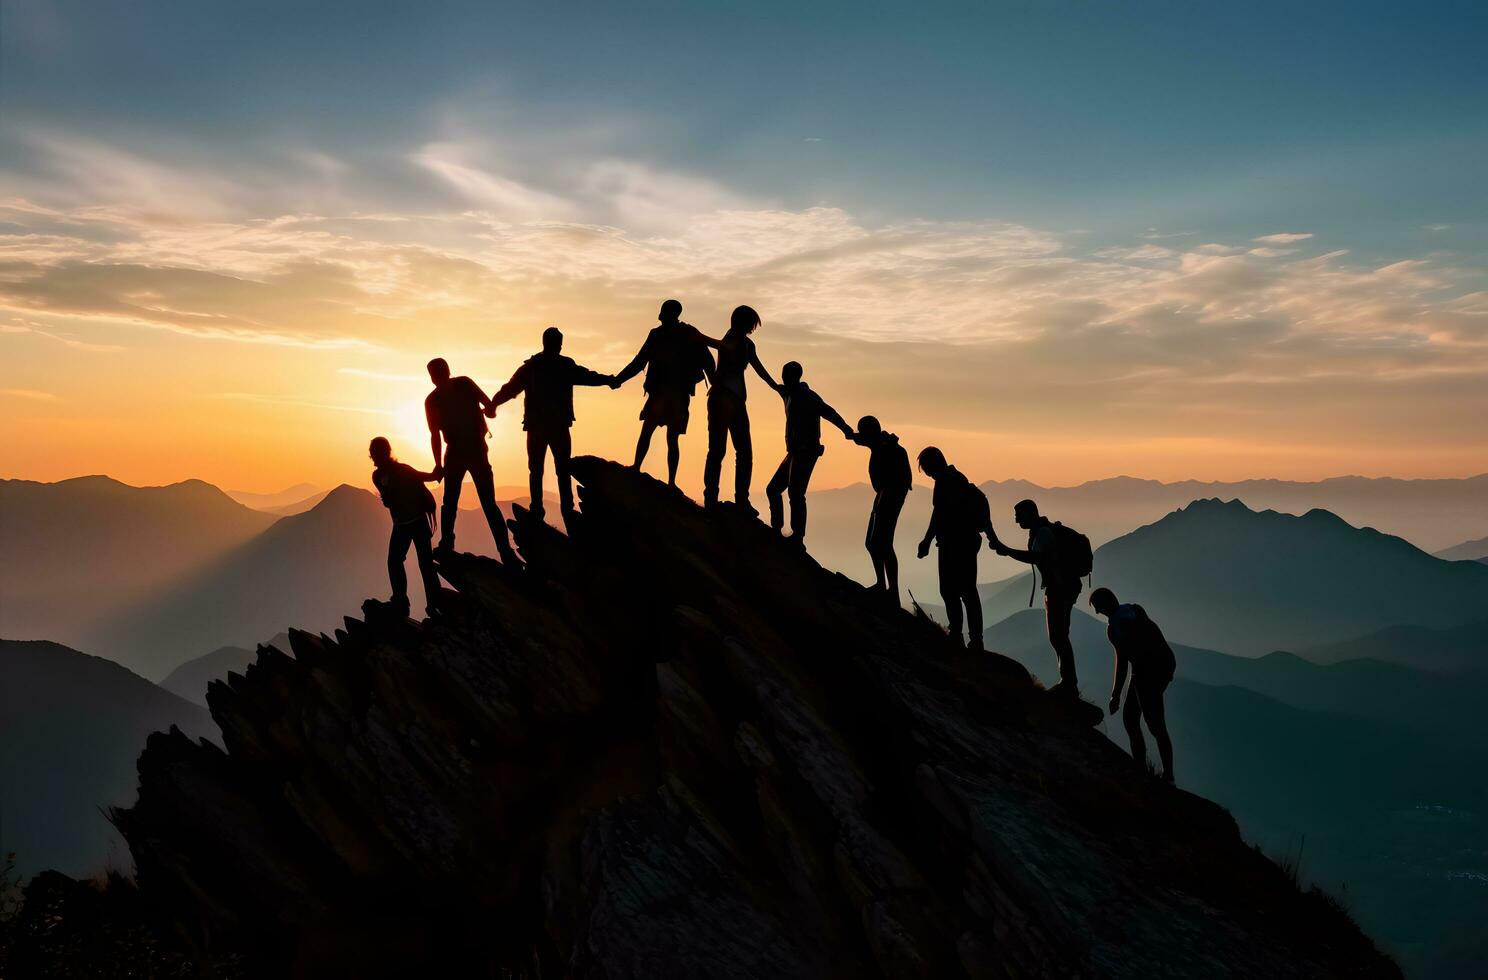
[1476, 550]
[190, 680]
[1453, 650]
[668, 746]
[75, 552]
[307, 568]
[73, 726]
[301, 493]
[1429, 513]
[1372, 764]
[1219, 575]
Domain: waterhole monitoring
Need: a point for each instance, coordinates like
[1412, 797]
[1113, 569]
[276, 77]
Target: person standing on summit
[456, 411]
[1061, 556]
[411, 506]
[728, 413]
[959, 516]
[675, 357]
[549, 378]
[804, 411]
[891, 479]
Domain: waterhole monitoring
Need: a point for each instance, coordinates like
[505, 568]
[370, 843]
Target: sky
[1061, 240]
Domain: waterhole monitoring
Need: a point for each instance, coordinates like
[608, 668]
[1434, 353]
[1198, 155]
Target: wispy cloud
[28, 394]
[1283, 237]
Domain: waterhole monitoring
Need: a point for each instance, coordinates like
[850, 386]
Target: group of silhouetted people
[676, 357]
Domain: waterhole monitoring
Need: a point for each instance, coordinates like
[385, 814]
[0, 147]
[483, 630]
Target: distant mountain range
[1476, 550]
[71, 727]
[1220, 575]
[76, 552]
[190, 680]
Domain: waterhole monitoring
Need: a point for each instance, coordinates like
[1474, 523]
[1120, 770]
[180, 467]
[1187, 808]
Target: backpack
[1073, 556]
[677, 360]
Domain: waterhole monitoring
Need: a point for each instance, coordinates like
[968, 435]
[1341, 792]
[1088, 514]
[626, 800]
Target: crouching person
[411, 506]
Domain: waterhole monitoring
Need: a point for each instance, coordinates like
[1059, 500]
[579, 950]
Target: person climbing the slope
[548, 378]
[804, 411]
[675, 356]
[891, 479]
[959, 516]
[1140, 646]
[456, 411]
[411, 506]
[728, 413]
[1061, 556]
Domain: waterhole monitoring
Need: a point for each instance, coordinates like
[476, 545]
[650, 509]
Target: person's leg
[454, 481]
[561, 443]
[743, 453]
[887, 522]
[674, 453]
[537, 449]
[871, 542]
[973, 603]
[950, 591]
[800, 478]
[485, 488]
[1157, 724]
[398, 543]
[1131, 718]
[775, 490]
[643, 443]
[1058, 606]
[717, 440]
[423, 548]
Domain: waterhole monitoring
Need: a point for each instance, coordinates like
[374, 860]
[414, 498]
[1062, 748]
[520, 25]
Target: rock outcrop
[669, 745]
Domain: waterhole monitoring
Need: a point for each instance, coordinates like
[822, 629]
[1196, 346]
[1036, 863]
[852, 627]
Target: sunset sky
[1061, 240]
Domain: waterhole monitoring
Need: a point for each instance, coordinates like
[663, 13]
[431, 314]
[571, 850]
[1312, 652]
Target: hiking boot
[976, 646]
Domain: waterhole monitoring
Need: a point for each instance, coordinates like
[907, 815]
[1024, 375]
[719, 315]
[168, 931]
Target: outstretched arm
[924, 548]
[831, 415]
[591, 379]
[514, 387]
[642, 358]
[760, 370]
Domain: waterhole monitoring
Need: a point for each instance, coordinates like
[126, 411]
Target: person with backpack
[1140, 645]
[728, 413]
[890, 477]
[548, 378]
[1061, 556]
[411, 506]
[456, 411]
[959, 516]
[675, 357]
[804, 411]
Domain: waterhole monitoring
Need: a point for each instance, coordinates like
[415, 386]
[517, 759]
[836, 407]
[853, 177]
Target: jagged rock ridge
[670, 746]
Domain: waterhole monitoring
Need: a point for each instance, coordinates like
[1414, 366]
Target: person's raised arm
[513, 387]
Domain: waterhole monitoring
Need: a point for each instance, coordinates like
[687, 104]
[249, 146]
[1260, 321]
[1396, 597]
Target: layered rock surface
[669, 745]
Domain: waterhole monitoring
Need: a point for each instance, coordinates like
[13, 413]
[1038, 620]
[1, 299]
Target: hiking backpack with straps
[1072, 556]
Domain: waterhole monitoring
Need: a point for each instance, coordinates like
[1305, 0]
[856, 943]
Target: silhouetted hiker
[675, 356]
[728, 414]
[548, 378]
[1061, 555]
[411, 507]
[1139, 642]
[889, 475]
[804, 411]
[456, 410]
[959, 516]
